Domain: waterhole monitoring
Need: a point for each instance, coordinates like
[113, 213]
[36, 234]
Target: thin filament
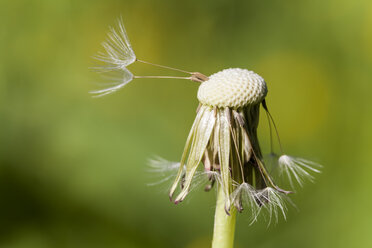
[163, 66]
[237, 152]
[188, 78]
[272, 119]
[271, 133]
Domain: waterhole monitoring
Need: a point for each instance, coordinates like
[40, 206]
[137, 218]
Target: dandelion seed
[118, 50]
[113, 62]
[273, 201]
[167, 170]
[161, 165]
[118, 55]
[297, 168]
[116, 80]
[162, 168]
[245, 196]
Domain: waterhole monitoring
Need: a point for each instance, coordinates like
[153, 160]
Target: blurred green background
[73, 168]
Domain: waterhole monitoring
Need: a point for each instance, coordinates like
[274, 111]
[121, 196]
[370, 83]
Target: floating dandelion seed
[118, 55]
[223, 138]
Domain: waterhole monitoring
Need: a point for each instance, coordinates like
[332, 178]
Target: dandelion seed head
[232, 88]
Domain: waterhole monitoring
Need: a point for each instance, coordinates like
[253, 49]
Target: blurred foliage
[73, 169]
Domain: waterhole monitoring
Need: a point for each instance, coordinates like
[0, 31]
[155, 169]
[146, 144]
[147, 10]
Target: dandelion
[223, 138]
[224, 133]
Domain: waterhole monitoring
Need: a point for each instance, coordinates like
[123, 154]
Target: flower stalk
[224, 224]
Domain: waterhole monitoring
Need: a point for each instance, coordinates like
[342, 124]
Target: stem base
[224, 225]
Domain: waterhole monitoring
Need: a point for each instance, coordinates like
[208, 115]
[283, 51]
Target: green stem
[224, 225]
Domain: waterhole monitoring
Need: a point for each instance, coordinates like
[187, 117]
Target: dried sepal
[224, 154]
[195, 149]
[189, 141]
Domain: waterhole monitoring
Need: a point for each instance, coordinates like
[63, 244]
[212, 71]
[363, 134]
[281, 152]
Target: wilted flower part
[297, 168]
[195, 146]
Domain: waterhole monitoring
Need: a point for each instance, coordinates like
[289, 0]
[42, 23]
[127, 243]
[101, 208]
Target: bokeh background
[73, 168]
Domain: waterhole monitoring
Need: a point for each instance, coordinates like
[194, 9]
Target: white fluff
[167, 170]
[118, 50]
[117, 56]
[115, 80]
[246, 195]
[297, 168]
[273, 201]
